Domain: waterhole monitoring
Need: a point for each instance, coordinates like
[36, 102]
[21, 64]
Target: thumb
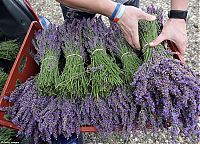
[157, 41]
[148, 17]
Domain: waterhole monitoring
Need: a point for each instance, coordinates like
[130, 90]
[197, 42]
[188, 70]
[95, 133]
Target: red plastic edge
[30, 69]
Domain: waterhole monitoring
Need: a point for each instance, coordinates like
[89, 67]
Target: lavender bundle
[109, 115]
[9, 50]
[105, 74]
[150, 30]
[44, 118]
[167, 91]
[40, 117]
[73, 80]
[120, 47]
[3, 78]
[158, 12]
[48, 47]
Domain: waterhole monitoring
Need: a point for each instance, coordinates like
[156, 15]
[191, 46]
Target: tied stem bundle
[73, 81]
[9, 50]
[105, 73]
[48, 47]
[119, 46]
[149, 30]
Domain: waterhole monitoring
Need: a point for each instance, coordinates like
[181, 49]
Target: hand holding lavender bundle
[73, 80]
[48, 47]
[167, 91]
[105, 74]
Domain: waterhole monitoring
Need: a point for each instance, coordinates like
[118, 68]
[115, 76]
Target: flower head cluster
[46, 118]
[158, 12]
[169, 94]
[46, 40]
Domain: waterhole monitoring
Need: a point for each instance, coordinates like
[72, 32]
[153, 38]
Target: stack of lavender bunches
[105, 84]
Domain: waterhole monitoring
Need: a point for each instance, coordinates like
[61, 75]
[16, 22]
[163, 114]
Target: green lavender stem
[130, 60]
[73, 80]
[6, 135]
[49, 73]
[9, 50]
[148, 31]
[131, 64]
[3, 78]
[105, 79]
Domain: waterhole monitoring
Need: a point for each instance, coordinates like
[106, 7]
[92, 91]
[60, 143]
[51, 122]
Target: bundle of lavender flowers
[9, 49]
[104, 72]
[74, 80]
[48, 51]
[120, 48]
[167, 91]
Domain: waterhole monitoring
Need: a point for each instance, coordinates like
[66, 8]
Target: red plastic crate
[30, 69]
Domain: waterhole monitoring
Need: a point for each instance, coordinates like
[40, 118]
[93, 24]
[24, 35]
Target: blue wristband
[115, 11]
[121, 12]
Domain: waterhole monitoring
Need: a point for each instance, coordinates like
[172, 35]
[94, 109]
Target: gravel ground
[52, 11]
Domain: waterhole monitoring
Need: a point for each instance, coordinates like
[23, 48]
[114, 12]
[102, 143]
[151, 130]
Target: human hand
[175, 31]
[129, 24]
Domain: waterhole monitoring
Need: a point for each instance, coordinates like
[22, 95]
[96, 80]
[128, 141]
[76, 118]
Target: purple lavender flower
[170, 93]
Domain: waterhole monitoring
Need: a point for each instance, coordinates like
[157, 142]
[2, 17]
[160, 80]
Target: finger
[135, 39]
[158, 40]
[129, 40]
[148, 17]
[127, 36]
[181, 46]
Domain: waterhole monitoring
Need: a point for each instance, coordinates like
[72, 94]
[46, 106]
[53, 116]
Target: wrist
[108, 8]
[179, 5]
[180, 22]
[178, 14]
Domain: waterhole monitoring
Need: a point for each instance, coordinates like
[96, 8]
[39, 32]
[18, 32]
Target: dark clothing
[73, 13]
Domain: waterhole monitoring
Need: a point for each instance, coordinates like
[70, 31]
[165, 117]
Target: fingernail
[151, 43]
[178, 53]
